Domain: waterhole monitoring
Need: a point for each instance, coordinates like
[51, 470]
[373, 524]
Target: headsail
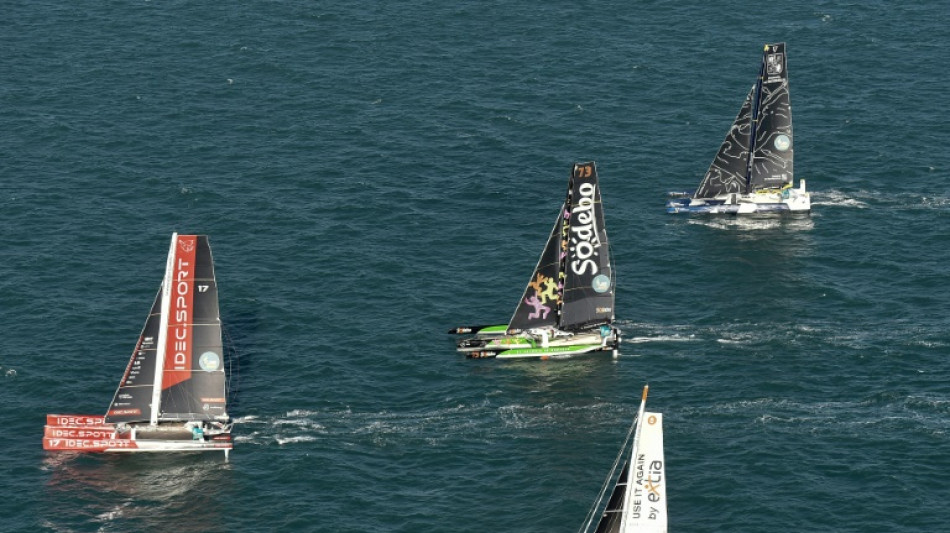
[133, 399]
[588, 293]
[538, 305]
[772, 155]
[727, 172]
[187, 357]
[612, 516]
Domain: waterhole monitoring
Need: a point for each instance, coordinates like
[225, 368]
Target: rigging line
[232, 357]
[603, 490]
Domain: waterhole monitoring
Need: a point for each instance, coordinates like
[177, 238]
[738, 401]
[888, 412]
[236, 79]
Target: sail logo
[209, 361]
[774, 66]
[181, 313]
[649, 481]
[585, 236]
[782, 142]
[177, 364]
[600, 284]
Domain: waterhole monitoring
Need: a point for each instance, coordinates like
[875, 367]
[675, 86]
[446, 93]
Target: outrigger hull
[91, 434]
[551, 352]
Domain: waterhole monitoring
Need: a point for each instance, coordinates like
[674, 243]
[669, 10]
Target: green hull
[540, 353]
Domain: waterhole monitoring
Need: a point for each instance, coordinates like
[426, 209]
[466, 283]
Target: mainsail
[588, 273]
[180, 349]
[757, 151]
[572, 286]
[771, 163]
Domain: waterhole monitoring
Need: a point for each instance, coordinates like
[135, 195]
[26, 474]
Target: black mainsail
[757, 151]
[193, 382]
[771, 164]
[572, 287]
[588, 299]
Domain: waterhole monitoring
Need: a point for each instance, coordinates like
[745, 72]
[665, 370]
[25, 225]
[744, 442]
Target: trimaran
[752, 172]
[172, 396]
[638, 501]
[567, 309]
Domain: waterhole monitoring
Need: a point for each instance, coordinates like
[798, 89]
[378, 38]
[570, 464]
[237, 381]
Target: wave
[863, 199]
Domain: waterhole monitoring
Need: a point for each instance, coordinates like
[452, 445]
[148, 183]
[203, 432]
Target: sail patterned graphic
[538, 305]
[192, 361]
[727, 172]
[772, 153]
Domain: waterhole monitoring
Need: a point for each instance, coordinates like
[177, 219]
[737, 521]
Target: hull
[537, 347]
[785, 201]
[561, 352]
[91, 434]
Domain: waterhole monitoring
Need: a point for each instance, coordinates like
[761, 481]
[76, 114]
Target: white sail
[645, 501]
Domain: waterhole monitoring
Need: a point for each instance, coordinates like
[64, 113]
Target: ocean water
[371, 174]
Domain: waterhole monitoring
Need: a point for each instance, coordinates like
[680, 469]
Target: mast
[163, 332]
[565, 244]
[756, 100]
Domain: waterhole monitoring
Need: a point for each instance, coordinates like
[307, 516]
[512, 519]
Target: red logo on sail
[178, 347]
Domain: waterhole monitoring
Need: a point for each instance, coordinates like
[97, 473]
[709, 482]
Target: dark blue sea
[373, 173]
